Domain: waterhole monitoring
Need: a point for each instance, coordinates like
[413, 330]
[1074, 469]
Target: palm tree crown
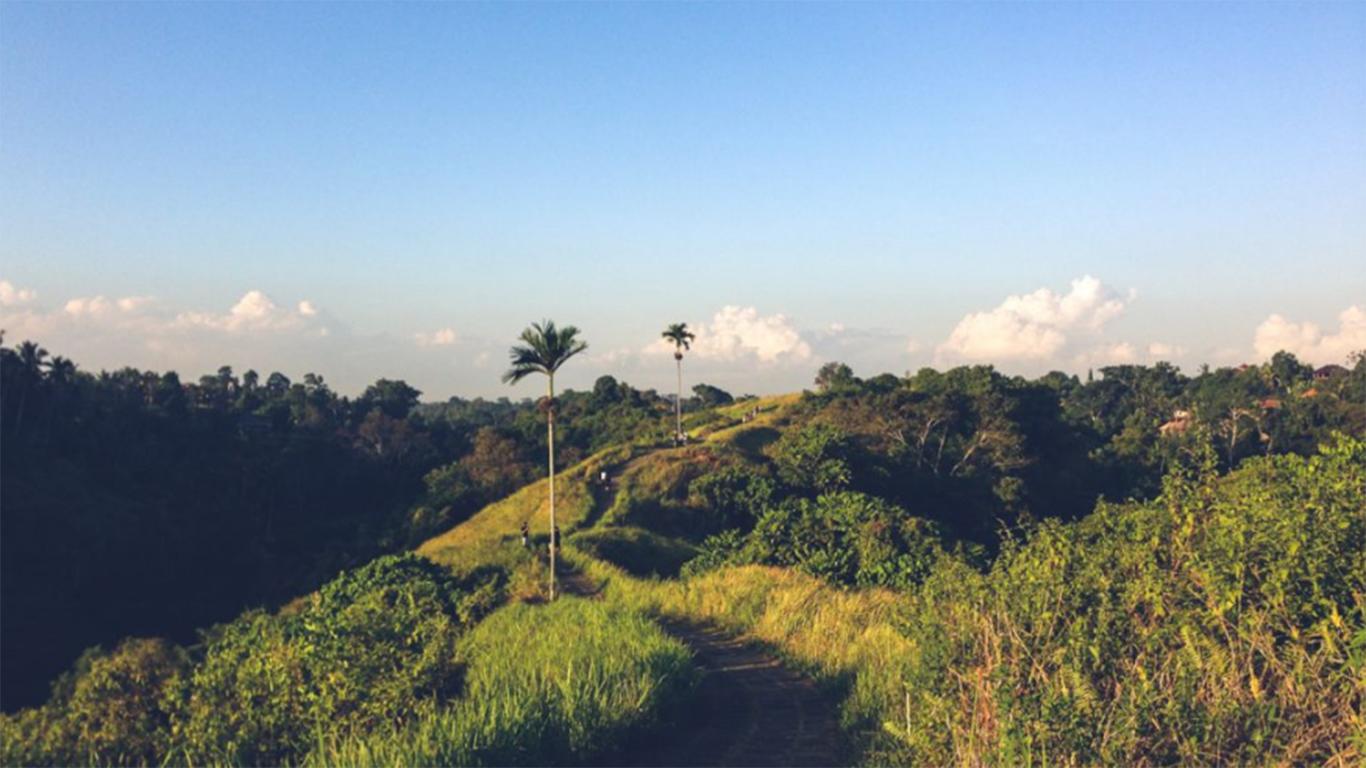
[681, 337]
[544, 349]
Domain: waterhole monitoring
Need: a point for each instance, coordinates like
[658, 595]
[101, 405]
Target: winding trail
[748, 710]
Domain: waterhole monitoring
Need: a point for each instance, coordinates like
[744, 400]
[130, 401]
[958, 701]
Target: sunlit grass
[555, 684]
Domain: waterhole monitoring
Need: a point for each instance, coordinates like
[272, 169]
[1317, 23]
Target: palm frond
[679, 334]
[544, 348]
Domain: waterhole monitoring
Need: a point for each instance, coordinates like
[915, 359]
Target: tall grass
[556, 684]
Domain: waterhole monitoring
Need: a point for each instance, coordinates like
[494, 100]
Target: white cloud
[254, 312]
[1035, 326]
[439, 338]
[1308, 341]
[1158, 350]
[1118, 353]
[10, 296]
[141, 318]
[738, 333]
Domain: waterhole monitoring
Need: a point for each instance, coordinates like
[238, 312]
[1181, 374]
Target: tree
[834, 376]
[394, 397]
[31, 357]
[1286, 371]
[277, 384]
[679, 335]
[606, 390]
[710, 397]
[543, 350]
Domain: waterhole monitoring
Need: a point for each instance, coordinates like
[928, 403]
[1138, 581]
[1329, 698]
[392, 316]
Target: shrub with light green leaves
[374, 648]
[847, 538]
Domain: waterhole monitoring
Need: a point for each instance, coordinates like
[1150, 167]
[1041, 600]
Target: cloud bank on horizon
[738, 347]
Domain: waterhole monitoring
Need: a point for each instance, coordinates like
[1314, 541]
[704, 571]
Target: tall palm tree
[544, 349]
[681, 337]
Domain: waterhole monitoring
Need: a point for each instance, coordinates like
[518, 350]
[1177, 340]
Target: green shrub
[732, 497]
[374, 646]
[715, 551]
[110, 709]
[846, 538]
[816, 458]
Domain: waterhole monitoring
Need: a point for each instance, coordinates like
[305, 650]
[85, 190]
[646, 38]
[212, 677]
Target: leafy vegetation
[370, 649]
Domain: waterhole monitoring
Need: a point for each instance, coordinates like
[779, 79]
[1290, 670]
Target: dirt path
[749, 710]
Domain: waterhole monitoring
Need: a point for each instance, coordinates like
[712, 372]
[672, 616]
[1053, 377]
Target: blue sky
[869, 183]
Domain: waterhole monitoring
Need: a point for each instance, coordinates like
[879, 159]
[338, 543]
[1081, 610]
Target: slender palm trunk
[678, 403]
[550, 431]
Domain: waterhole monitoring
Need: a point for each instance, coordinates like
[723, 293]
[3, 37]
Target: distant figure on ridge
[526, 535]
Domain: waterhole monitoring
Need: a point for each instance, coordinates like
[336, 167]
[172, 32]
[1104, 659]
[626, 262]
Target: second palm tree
[681, 337]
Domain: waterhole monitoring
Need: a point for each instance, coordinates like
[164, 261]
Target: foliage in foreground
[370, 650]
[551, 685]
[1224, 622]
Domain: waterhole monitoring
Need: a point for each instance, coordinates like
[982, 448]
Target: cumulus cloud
[443, 337]
[740, 333]
[1034, 326]
[11, 296]
[255, 311]
[1308, 341]
[1127, 353]
[149, 321]
[1158, 350]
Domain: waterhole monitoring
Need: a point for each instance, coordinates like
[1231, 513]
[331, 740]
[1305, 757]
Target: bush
[716, 550]
[846, 538]
[732, 497]
[111, 708]
[374, 646]
[815, 458]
